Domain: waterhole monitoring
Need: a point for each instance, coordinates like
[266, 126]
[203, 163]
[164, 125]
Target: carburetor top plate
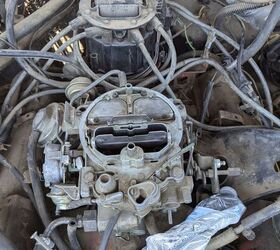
[123, 118]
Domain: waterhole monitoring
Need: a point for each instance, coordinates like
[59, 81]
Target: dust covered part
[118, 118]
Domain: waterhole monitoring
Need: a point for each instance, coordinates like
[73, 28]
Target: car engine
[125, 121]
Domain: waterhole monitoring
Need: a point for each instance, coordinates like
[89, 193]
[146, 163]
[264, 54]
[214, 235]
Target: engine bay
[139, 124]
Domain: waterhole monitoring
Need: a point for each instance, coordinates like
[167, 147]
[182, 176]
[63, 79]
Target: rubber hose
[185, 13]
[72, 236]
[14, 111]
[35, 54]
[262, 36]
[236, 8]
[11, 7]
[56, 223]
[108, 231]
[35, 20]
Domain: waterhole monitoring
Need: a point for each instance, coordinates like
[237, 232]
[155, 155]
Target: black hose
[206, 99]
[185, 13]
[212, 128]
[56, 223]
[108, 231]
[51, 23]
[11, 7]
[14, 111]
[72, 236]
[263, 35]
[19, 177]
[2, 11]
[235, 9]
[37, 188]
[35, 20]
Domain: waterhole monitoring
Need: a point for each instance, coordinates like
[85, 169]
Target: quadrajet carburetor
[118, 153]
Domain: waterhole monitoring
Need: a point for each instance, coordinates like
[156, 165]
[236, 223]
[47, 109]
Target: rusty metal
[255, 151]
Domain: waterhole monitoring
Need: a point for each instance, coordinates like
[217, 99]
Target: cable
[17, 84]
[62, 33]
[19, 177]
[35, 20]
[182, 11]
[228, 81]
[212, 128]
[49, 62]
[159, 27]
[257, 71]
[153, 79]
[35, 54]
[207, 97]
[24, 102]
[64, 46]
[11, 6]
[14, 90]
[37, 189]
[108, 231]
[140, 41]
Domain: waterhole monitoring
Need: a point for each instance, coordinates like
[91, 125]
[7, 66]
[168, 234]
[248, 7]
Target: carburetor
[122, 151]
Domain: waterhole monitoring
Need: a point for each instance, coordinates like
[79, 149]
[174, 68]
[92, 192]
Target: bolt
[249, 234]
[115, 94]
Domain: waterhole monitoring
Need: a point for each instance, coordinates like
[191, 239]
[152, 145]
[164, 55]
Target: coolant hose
[236, 8]
[262, 36]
